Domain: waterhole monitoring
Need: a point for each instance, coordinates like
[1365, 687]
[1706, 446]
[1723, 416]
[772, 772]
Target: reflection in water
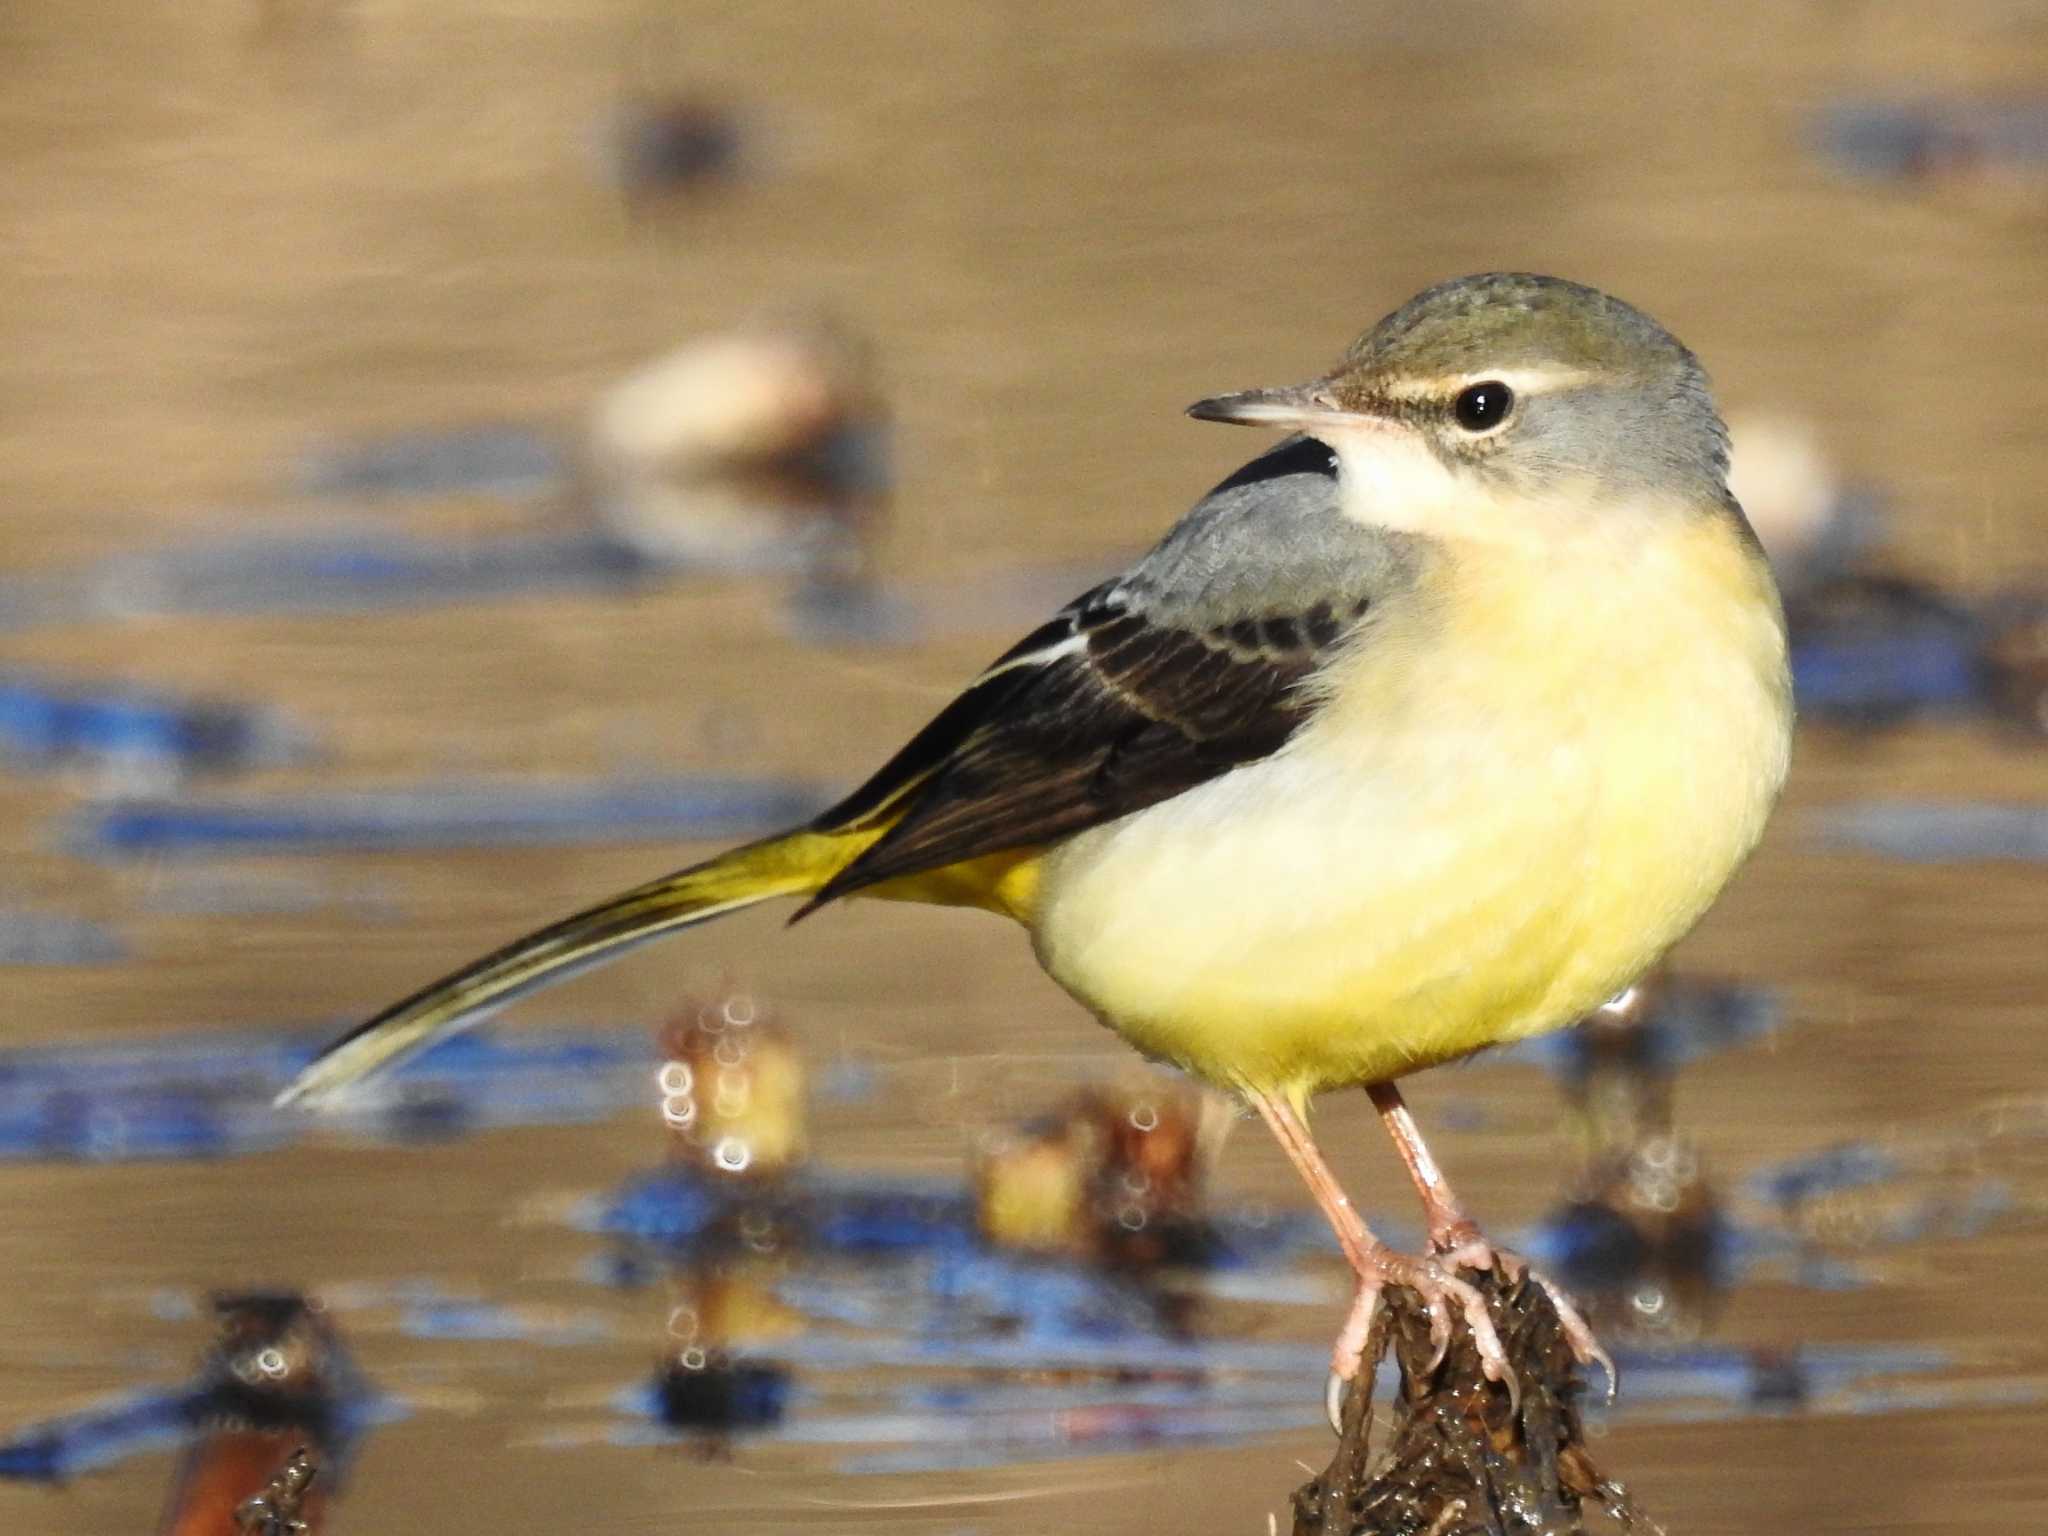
[732, 1088]
[718, 1375]
[1939, 831]
[1065, 1267]
[1076, 1296]
[137, 738]
[278, 1388]
[1115, 1176]
[763, 450]
[1641, 1238]
[366, 570]
[208, 1096]
[1876, 651]
[1871, 647]
[485, 815]
[276, 1380]
[1078, 1299]
[501, 459]
[30, 937]
[1940, 1184]
[364, 242]
[1652, 1245]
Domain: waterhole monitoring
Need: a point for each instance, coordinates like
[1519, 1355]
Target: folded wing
[1180, 670]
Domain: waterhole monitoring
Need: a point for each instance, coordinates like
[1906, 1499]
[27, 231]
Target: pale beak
[1301, 407]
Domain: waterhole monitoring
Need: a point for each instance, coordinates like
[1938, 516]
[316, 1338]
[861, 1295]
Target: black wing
[1139, 690]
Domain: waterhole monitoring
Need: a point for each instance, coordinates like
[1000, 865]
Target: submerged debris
[276, 1377]
[1115, 1176]
[1813, 525]
[137, 735]
[733, 1103]
[1937, 139]
[1872, 647]
[1460, 1458]
[2016, 659]
[798, 395]
[277, 1510]
[712, 1392]
[273, 1403]
[653, 146]
[1875, 651]
[742, 448]
[732, 1089]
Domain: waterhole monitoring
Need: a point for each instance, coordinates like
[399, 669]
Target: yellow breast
[1509, 803]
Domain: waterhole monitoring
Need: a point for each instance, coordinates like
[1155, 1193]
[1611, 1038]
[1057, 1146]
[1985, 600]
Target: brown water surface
[232, 228]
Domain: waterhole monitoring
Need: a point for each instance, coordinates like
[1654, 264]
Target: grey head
[1523, 382]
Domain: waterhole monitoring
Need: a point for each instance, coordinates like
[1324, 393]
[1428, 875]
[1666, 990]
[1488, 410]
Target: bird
[1429, 729]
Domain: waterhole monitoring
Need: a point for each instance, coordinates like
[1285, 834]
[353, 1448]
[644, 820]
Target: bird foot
[1442, 1294]
[1462, 1246]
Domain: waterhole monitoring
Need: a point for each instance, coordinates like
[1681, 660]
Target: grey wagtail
[1429, 729]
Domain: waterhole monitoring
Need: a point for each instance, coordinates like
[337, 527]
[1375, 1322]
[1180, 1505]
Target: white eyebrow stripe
[1523, 381]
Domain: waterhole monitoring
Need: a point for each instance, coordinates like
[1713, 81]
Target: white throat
[1388, 478]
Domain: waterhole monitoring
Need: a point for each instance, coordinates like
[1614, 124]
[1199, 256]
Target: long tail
[795, 864]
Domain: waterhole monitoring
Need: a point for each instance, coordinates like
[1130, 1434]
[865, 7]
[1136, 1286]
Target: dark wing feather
[1183, 669]
[1136, 713]
[1000, 683]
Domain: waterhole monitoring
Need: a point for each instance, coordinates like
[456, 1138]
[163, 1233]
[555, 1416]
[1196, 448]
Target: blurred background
[461, 459]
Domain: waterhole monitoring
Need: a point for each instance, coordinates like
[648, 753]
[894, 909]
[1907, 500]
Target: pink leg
[1455, 1237]
[1450, 1229]
[1376, 1265]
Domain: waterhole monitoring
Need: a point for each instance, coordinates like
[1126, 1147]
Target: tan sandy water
[230, 228]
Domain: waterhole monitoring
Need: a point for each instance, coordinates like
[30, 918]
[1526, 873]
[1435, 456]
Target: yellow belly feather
[1499, 818]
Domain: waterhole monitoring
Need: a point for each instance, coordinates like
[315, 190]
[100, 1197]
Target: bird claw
[1440, 1292]
[1348, 1354]
[1439, 1334]
[1462, 1247]
[1334, 1390]
[1578, 1335]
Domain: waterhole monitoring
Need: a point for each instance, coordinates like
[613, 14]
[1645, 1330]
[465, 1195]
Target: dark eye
[1481, 407]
